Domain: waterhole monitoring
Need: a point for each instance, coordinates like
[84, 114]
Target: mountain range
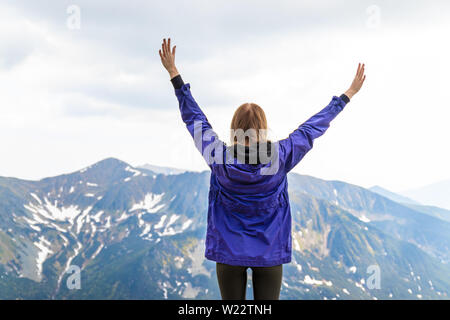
[435, 194]
[137, 233]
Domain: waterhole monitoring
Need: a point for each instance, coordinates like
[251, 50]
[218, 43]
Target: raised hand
[168, 58]
[357, 81]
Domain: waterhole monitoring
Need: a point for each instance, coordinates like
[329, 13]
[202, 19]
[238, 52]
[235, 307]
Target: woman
[249, 218]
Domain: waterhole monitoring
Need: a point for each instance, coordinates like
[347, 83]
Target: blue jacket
[249, 216]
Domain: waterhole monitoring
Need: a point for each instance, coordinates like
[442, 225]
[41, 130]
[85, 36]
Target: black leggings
[233, 281]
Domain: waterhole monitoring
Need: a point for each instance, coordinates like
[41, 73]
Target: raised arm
[206, 140]
[300, 141]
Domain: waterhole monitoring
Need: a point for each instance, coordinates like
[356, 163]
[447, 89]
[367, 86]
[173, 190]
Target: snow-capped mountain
[138, 234]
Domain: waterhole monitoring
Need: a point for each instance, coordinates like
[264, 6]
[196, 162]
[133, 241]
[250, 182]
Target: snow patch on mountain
[100, 247]
[296, 245]
[196, 256]
[172, 219]
[146, 230]
[124, 216]
[82, 218]
[186, 224]
[190, 292]
[352, 269]
[363, 218]
[51, 211]
[44, 251]
[36, 197]
[178, 262]
[161, 222]
[134, 171]
[151, 203]
[336, 195]
[312, 281]
[170, 230]
[31, 223]
[97, 216]
[107, 225]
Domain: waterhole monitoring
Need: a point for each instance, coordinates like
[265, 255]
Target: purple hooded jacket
[249, 216]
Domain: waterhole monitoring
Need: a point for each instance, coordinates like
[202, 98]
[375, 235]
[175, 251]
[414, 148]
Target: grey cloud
[12, 56]
[14, 50]
[131, 32]
[136, 28]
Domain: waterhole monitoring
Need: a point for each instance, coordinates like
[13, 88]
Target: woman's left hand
[168, 58]
[357, 81]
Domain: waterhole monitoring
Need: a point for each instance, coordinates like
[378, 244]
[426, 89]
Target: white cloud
[70, 98]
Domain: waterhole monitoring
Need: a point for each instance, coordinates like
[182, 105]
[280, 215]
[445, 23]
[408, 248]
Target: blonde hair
[249, 120]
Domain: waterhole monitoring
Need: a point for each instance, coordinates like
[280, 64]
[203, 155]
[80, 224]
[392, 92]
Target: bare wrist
[173, 72]
[350, 93]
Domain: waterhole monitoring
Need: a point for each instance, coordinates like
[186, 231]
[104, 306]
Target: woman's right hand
[357, 82]
[168, 58]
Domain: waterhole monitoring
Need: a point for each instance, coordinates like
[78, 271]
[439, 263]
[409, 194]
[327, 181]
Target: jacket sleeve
[206, 140]
[300, 141]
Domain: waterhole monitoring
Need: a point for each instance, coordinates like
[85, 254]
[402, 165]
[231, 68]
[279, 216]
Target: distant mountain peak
[392, 195]
[435, 194]
[110, 162]
[106, 163]
[162, 170]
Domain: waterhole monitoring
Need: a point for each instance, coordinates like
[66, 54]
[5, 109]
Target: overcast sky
[71, 96]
